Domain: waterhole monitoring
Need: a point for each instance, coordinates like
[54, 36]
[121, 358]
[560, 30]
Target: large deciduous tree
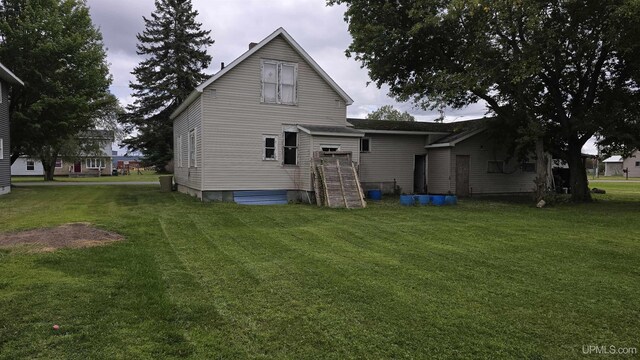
[554, 72]
[53, 46]
[174, 50]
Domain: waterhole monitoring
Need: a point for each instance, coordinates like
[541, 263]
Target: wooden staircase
[336, 181]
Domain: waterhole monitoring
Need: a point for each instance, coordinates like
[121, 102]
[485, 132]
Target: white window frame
[1, 147]
[96, 163]
[61, 164]
[279, 84]
[192, 155]
[495, 161]
[179, 151]
[275, 147]
[332, 146]
[361, 140]
[33, 165]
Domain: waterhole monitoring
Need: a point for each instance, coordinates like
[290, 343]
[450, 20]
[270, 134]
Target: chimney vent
[251, 45]
[221, 65]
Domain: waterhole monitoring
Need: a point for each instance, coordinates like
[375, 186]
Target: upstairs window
[290, 148]
[31, 165]
[279, 82]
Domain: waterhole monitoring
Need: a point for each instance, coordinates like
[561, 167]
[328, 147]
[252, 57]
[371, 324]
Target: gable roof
[613, 159]
[285, 35]
[8, 76]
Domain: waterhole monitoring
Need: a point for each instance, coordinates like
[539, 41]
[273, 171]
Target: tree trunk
[49, 168]
[577, 173]
[541, 169]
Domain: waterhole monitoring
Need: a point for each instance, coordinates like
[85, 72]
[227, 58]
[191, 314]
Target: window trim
[98, 161]
[192, 143]
[275, 147]
[637, 163]
[278, 64]
[369, 144]
[179, 151]
[284, 148]
[497, 162]
[33, 165]
[61, 164]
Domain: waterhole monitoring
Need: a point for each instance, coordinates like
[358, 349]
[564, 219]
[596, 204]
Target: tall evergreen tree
[53, 46]
[174, 50]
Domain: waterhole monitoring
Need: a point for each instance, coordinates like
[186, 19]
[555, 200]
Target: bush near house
[485, 279]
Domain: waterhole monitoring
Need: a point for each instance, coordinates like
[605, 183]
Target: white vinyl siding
[190, 119]
[391, 159]
[279, 82]
[235, 121]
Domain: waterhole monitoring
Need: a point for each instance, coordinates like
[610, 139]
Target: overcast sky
[319, 29]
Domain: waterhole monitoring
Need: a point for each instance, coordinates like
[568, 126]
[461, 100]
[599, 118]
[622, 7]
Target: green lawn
[485, 279]
[147, 175]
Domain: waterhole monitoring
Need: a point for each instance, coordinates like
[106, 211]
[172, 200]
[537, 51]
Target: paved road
[83, 183]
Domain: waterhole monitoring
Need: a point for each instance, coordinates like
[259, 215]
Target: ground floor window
[637, 163]
[270, 146]
[58, 163]
[495, 167]
[31, 165]
[95, 163]
[365, 145]
[330, 148]
[290, 148]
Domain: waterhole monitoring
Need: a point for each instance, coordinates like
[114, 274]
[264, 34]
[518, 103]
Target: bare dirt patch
[75, 235]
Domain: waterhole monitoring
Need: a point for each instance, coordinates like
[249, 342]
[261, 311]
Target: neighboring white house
[615, 165]
[100, 162]
[255, 126]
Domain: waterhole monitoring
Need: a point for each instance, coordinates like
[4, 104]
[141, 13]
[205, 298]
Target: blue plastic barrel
[407, 200]
[374, 194]
[423, 199]
[438, 200]
[450, 200]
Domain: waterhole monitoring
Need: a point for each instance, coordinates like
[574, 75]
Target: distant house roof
[417, 127]
[8, 76]
[613, 159]
[330, 130]
[285, 35]
[97, 134]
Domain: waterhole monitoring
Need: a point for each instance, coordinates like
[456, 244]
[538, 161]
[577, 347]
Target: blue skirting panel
[260, 197]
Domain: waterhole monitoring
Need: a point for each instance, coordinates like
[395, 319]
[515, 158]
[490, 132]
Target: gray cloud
[319, 29]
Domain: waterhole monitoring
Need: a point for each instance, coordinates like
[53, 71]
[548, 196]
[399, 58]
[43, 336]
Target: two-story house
[255, 125]
[7, 78]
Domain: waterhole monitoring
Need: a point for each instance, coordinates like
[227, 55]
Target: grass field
[147, 175]
[482, 280]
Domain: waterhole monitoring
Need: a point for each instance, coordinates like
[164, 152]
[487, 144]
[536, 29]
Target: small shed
[613, 166]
